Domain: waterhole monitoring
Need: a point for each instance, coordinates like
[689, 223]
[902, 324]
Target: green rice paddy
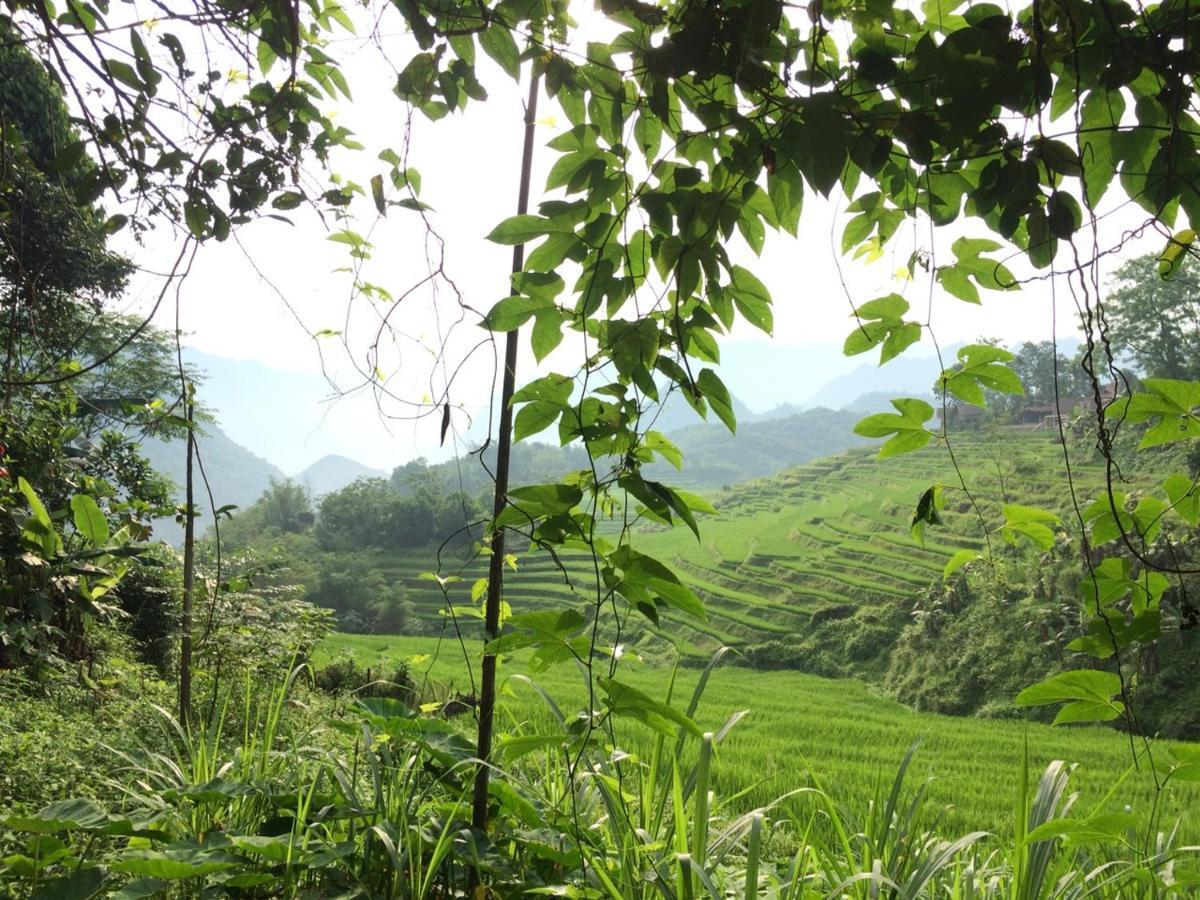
[802, 730]
[828, 534]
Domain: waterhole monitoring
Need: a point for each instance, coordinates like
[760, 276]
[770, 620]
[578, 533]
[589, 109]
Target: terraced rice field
[802, 731]
[821, 537]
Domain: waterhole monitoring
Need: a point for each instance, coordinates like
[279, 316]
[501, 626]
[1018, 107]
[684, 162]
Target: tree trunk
[487, 694]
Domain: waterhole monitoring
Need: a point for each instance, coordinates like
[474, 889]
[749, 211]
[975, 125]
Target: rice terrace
[610, 450]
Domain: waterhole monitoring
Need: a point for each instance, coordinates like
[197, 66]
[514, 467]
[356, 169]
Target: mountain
[902, 376]
[333, 472]
[235, 475]
[676, 413]
[712, 457]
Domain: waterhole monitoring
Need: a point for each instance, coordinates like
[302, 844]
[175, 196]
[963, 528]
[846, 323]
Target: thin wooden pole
[491, 622]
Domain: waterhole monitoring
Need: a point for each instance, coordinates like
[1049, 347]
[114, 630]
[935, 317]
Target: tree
[1048, 375]
[55, 269]
[1157, 320]
[286, 506]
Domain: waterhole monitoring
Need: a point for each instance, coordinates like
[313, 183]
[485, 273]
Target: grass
[829, 533]
[801, 726]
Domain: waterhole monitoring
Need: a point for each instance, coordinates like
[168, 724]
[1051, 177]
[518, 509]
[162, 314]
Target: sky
[261, 298]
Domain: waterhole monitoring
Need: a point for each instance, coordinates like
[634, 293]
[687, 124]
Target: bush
[346, 676]
[153, 610]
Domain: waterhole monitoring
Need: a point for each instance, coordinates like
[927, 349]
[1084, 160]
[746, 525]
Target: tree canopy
[1155, 320]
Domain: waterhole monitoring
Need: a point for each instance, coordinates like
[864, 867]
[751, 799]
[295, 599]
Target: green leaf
[928, 512]
[718, 397]
[752, 298]
[513, 748]
[377, 194]
[957, 283]
[513, 312]
[659, 443]
[1106, 828]
[644, 575]
[554, 387]
[1029, 522]
[1173, 403]
[35, 504]
[980, 366]
[960, 559]
[497, 42]
[61, 815]
[880, 322]
[623, 700]
[545, 499]
[89, 519]
[82, 884]
[1088, 695]
[174, 863]
[534, 418]
[520, 229]
[907, 430]
[1184, 495]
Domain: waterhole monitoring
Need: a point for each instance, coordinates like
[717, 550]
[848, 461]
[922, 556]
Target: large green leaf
[624, 700]
[523, 228]
[1174, 404]
[906, 429]
[89, 519]
[1088, 695]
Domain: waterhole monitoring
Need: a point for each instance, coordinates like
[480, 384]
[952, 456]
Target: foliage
[346, 676]
[362, 599]
[286, 807]
[70, 518]
[250, 622]
[286, 507]
[56, 731]
[370, 513]
[688, 124]
[1156, 321]
[55, 269]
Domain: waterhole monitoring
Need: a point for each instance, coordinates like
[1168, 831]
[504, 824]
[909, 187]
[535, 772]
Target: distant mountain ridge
[332, 473]
[234, 474]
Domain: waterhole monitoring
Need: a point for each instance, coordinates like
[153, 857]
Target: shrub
[346, 676]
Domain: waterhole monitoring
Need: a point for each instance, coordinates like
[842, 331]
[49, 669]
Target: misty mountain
[903, 376]
[333, 472]
[235, 475]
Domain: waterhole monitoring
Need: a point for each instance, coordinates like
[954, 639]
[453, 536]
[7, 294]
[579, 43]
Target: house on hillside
[963, 416]
[1049, 415]
[1055, 413]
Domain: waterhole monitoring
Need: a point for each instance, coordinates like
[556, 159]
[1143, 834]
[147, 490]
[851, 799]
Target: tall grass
[375, 804]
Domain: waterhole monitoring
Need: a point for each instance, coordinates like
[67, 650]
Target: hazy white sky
[263, 297]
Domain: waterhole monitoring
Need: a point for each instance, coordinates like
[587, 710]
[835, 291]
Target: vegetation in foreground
[800, 727]
[287, 791]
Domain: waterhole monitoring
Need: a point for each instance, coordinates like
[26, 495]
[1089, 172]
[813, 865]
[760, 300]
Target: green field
[822, 538]
[801, 726]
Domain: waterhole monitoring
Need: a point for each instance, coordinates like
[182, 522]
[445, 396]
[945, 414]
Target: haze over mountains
[274, 424]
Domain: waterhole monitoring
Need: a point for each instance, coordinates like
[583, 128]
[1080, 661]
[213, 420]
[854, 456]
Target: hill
[235, 475]
[332, 473]
[816, 569]
[713, 458]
